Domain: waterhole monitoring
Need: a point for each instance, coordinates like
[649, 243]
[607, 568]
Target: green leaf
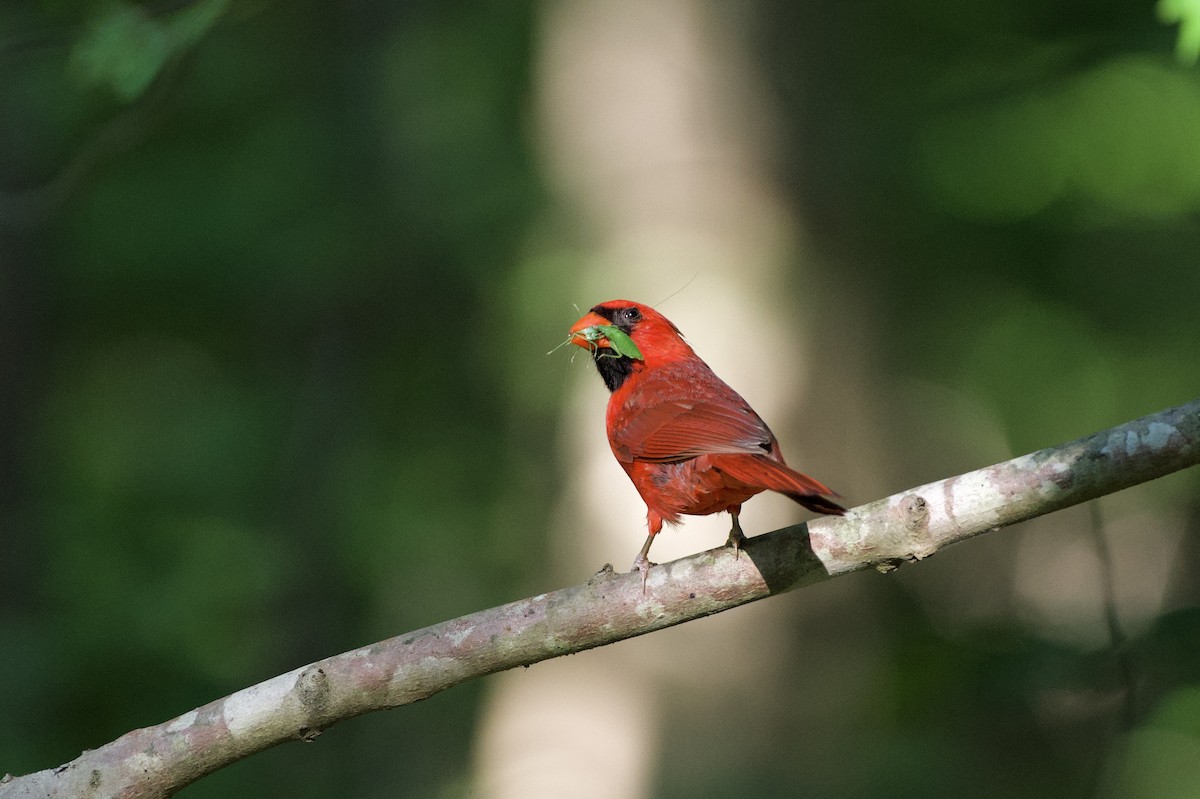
[125, 48]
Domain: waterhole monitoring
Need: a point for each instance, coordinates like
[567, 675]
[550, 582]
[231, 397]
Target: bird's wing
[677, 430]
[658, 424]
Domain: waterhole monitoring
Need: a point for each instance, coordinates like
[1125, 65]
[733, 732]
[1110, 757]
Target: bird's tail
[761, 472]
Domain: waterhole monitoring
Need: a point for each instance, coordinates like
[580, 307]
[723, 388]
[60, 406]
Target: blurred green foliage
[1160, 759]
[125, 46]
[1187, 14]
[232, 355]
[256, 413]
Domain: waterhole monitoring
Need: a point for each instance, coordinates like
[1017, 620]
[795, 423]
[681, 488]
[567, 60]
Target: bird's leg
[736, 536]
[642, 562]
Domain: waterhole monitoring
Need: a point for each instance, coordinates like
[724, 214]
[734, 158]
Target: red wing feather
[680, 429]
[682, 410]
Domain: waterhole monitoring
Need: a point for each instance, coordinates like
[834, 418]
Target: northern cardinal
[690, 444]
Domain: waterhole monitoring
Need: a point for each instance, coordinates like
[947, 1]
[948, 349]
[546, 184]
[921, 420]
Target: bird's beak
[584, 333]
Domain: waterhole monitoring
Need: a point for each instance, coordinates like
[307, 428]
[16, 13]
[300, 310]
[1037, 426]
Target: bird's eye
[631, 315]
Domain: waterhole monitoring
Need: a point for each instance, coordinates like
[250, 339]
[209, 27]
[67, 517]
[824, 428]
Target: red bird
[690, 444]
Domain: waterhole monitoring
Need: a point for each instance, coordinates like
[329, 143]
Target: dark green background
[266, 395]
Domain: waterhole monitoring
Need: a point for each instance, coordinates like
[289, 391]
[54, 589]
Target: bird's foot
[736, 540]
[642, 564]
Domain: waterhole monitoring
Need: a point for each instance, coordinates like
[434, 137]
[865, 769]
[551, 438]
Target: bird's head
[625, 336]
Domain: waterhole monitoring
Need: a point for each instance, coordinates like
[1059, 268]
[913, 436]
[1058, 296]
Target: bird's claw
[736, 540]
[642, 564]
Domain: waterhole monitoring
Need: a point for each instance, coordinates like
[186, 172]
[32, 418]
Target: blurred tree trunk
[659, 136]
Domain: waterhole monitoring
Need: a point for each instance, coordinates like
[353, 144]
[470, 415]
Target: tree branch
[157, 761]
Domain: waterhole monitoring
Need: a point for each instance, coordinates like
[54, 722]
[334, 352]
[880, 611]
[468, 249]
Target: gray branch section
[157, 761]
